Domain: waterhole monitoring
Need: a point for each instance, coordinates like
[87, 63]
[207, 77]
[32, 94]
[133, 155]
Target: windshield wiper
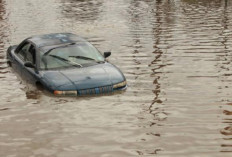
[62, 46]
[83, 57]
[100, 62]
[65, 60]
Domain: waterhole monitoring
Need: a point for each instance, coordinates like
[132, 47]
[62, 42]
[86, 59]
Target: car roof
[48, 41]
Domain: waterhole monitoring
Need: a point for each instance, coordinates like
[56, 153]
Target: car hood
[83, 78]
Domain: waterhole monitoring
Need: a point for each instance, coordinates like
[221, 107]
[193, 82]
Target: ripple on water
[175, 55]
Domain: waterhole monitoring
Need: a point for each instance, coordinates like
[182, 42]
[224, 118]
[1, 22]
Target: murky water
[175, 54]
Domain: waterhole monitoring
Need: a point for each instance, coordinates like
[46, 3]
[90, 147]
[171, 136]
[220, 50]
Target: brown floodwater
[176, 56]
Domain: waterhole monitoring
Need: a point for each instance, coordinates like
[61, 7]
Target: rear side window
[22, 53]
[30, 54]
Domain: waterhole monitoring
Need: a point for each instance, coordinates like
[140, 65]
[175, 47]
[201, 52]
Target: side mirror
[29, 65]
[107, 54]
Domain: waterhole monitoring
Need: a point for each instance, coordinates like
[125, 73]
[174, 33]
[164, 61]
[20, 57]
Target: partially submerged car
[65, 64]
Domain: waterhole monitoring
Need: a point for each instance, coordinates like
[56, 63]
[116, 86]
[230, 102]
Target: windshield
[79, 54]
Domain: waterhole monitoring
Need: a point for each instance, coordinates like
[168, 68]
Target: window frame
[32, 56]
[21, 45]
[19, 48]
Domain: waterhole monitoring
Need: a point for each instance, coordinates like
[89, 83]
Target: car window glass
[22, 52]
[30, 54]
[63, 57]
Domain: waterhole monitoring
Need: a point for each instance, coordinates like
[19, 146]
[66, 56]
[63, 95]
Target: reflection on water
[80, 10]
[175, 54]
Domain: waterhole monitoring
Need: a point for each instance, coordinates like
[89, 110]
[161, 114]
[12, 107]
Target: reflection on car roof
[49, 40]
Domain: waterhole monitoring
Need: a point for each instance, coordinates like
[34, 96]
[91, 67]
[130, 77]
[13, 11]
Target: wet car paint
[74, 78]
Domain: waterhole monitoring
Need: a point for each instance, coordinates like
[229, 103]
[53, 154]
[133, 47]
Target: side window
[30, 54]
[22, 52]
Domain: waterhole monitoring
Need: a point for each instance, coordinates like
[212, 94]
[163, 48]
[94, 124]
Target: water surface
[175, 54]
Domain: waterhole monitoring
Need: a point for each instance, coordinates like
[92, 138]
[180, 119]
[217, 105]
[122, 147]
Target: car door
[19, 57]
[28, 73]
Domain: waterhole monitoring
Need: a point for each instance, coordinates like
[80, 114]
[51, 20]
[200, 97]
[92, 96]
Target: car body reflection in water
[175, 55]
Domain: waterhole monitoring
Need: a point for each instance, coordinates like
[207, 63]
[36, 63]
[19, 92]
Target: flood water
[176, 56]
